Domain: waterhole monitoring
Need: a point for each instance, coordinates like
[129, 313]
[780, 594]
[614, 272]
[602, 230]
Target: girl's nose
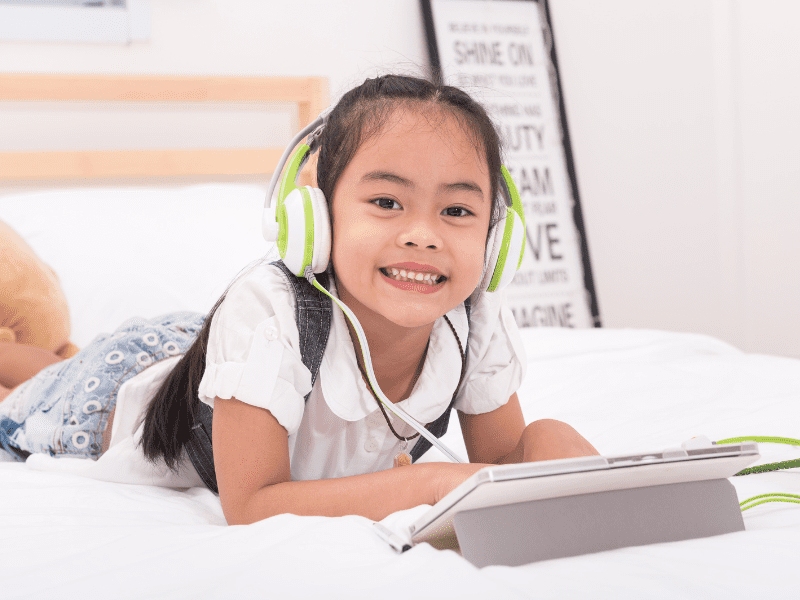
[421, 234]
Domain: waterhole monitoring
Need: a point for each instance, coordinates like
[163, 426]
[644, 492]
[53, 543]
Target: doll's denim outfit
[64, 409]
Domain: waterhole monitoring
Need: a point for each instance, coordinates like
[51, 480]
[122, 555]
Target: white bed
[125, 251]
[76, 536]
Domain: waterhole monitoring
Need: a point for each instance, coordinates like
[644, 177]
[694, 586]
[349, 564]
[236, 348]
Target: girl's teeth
[402, 275]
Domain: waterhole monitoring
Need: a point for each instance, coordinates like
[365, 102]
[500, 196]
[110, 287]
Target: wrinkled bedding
[69, 532]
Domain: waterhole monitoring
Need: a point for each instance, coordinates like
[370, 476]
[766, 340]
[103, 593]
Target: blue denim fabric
[64, 409]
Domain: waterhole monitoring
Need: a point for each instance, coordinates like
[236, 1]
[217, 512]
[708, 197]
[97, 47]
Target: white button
[271, 334]
[371, 445]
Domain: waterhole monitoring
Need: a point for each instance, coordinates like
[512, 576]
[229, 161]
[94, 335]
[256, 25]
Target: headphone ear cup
[304, 238]
[322, 231]
[503, 252]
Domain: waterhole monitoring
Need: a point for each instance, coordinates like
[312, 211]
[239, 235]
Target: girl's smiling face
[413, 204]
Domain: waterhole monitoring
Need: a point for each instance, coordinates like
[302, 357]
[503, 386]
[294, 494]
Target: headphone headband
[314, 128]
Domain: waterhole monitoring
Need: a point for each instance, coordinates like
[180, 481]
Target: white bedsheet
[74, 536]
[624, 390]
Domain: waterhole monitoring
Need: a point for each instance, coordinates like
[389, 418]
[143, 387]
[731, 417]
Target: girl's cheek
[474, 255]
[361, 233]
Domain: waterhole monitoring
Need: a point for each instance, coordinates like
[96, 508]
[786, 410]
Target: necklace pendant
[402, 459]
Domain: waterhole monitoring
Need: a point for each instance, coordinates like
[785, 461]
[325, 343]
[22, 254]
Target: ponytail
[171, 413]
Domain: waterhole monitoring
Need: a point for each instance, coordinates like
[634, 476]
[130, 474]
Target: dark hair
[359, 115]
[362, 112]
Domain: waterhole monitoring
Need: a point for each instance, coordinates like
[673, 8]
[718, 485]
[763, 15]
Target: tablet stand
[517, 534]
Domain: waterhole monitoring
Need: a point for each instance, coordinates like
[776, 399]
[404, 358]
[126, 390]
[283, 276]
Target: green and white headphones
[300, 223]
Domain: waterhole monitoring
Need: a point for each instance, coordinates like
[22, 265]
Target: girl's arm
[251, 458]
[501, 437]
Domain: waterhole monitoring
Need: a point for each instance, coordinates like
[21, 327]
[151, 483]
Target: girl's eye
[456, 211]
[387, 203]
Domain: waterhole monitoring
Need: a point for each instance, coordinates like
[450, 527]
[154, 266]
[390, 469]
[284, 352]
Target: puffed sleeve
[253, 351]
[496, 361]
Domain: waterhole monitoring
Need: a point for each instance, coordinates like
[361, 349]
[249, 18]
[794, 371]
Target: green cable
[762, 439]
[776, 497]
[787, 464]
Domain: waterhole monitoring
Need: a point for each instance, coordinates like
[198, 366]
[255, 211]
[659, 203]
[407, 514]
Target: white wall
[682, 115]
[684, 123]
[345, 41]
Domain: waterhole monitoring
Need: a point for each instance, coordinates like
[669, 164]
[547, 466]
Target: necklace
[403, 458]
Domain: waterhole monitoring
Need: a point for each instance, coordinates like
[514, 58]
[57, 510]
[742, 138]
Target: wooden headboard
[309, 94]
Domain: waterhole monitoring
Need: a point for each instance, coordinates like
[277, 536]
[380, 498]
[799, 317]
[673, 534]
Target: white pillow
[137, 251]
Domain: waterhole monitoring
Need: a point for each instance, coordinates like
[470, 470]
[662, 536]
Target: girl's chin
[411, 314]
[403, 303]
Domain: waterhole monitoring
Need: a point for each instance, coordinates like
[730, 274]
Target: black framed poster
[502, 52]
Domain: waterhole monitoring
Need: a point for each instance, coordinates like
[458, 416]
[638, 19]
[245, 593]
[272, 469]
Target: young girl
[410, 171]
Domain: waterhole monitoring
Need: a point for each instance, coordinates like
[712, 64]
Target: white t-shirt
[254, 356]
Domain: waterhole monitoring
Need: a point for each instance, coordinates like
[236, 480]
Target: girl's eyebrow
[467, 186]
[387, 176]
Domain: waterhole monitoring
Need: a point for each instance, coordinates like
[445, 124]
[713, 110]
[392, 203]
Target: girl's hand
[546, 439]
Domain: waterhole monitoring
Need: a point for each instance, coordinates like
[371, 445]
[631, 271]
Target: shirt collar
[346, 393]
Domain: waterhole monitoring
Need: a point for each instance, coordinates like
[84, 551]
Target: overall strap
[439, 426]
[313, 313]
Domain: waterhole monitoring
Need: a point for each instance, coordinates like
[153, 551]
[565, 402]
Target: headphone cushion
[322, 230]
[503, 252]
[492, 250]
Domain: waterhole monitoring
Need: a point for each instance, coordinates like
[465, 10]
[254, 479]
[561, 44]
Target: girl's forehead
[423, 120]
[425, 132]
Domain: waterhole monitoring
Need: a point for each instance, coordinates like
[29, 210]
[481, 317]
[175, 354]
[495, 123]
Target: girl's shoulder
[260, 287]
[261, 296]
[496, 359]
[487, 312]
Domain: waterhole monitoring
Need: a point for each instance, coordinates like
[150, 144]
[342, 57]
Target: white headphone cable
[394, 409]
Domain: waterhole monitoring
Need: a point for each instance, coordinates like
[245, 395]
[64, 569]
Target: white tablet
[511, 484]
